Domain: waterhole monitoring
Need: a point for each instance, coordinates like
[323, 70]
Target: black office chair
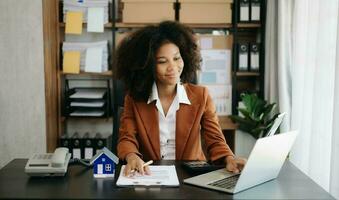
[118, 106]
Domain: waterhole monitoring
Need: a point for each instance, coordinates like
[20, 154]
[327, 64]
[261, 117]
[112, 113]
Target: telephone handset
[49, 164]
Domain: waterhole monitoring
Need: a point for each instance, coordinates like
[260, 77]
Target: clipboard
[161, 176]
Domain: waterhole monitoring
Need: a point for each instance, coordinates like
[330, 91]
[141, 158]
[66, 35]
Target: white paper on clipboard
[161, 175]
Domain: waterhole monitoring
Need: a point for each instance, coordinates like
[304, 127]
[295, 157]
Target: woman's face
[169, 64]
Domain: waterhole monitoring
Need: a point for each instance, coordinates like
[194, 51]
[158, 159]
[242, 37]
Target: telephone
[49, 164]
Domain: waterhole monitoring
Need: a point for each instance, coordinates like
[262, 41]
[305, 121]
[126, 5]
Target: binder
[64, 141]
[100, 142]
[243, 59]
[254, 56]
[88, 146]
[255, 10]
[76, 146]
[244, 11]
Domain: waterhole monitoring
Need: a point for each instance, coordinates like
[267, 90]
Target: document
[84, 6]
[91, 104]
[222, 98]
[88, 93]
[95, 21]
[74, 23]
[216, 67]
[82, 47]
[206, 43]
[71, 62]
[82, 113]
[161, 175]
[94, 59]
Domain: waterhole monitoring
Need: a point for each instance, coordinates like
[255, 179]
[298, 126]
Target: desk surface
[80, 184]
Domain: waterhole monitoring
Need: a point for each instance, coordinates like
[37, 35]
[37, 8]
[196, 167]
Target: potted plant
[254, 121]
[255, 115]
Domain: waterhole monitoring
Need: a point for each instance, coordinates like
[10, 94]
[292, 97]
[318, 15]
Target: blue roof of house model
[108, 153]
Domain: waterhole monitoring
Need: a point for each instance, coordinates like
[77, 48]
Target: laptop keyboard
[227, 183]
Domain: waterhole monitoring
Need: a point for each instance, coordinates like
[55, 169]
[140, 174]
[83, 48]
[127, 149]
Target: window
[108, 167]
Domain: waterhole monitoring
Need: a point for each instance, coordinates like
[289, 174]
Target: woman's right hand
[134, 162]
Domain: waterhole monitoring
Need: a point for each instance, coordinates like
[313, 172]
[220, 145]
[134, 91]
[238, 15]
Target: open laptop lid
[276, 124]
[266, 159]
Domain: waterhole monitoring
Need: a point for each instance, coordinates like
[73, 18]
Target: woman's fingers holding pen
[133, 163]
[143, 168]
[140, 168]
[147, 170]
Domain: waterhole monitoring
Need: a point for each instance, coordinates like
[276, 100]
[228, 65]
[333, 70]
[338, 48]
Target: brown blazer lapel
[185, 118]
[150, 119]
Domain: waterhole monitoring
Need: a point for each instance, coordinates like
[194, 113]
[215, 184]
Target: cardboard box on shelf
[147, 11]
[209, 41]
[205, 11]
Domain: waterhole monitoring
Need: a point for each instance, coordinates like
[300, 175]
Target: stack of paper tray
[82, 47]
[90, 102]
[82, 6]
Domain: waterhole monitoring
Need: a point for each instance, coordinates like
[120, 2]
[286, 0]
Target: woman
[164, 115]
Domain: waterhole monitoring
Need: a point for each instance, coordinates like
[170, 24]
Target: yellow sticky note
[71, 62]
[73, 22]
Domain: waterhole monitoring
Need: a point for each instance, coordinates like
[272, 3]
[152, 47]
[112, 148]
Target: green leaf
[256, 115]
[244, 112]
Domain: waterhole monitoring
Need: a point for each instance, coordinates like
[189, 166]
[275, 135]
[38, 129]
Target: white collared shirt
[167, 124]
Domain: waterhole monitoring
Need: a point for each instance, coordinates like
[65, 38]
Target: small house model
[104, 162]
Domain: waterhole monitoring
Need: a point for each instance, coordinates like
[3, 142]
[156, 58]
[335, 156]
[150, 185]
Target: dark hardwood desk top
[80, 184]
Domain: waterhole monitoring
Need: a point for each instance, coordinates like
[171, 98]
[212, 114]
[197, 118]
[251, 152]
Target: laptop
[276, 124]
[264, 164]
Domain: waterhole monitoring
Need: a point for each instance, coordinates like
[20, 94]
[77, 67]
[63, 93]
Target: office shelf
[247, 74]
[249, 25]
[107, 25]
[107, 73]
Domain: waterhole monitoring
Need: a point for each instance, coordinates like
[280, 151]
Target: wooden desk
[80, 184]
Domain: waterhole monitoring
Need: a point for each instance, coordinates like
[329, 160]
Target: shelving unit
[54, 33]
[248, 81]
[65, 120]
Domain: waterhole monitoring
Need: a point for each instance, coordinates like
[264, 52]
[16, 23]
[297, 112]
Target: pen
[144, 165]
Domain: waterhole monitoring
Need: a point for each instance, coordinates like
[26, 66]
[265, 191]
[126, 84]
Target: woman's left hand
[234, 165]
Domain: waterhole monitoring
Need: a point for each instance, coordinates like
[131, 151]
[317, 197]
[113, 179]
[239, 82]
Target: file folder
[88, 146]
[73, 22]
[244, 11]
[255, 10]
[71, 62]
[243, 59]
[254, 57]
[76, 146]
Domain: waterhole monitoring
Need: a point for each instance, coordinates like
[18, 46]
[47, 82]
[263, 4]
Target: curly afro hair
[135, 59]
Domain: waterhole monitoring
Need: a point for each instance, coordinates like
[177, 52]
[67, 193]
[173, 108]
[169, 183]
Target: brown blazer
[139, 129]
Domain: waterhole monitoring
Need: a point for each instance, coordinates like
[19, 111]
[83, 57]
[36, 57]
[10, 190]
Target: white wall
[22, 100]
